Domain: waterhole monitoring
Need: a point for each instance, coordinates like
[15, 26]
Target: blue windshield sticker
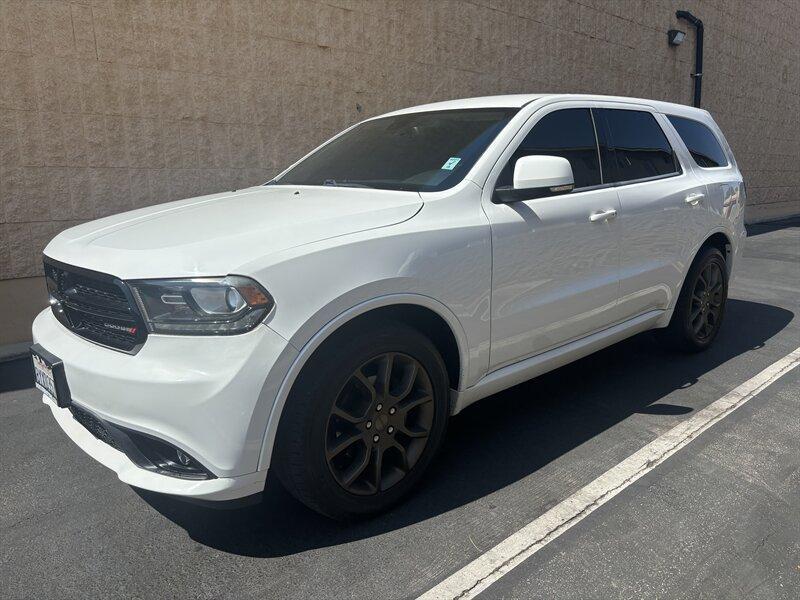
[451, 163]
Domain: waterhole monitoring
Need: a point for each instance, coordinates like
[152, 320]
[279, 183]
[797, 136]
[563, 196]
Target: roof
[519, 100]
[506, 101]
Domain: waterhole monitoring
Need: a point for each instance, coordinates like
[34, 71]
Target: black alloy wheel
[363, 420]
[706, 301]
[379, 424]
[700, 307]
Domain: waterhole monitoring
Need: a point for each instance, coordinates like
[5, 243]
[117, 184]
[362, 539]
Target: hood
[214, 235]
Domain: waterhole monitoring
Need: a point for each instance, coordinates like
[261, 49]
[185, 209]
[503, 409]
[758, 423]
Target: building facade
[107, 105]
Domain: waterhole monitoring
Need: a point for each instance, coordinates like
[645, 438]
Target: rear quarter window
[700, 141]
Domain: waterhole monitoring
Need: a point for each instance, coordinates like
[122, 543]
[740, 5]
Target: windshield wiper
[380, 184]
[345, 183]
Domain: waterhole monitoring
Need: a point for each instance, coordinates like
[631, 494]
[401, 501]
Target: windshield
[418, 152]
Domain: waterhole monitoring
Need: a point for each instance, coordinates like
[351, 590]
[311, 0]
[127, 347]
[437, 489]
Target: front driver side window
[568, 133]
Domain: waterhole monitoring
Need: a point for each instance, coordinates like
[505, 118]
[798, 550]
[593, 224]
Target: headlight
[207, 306]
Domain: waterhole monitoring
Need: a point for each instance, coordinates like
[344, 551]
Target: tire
[708, 273]
[336, 399]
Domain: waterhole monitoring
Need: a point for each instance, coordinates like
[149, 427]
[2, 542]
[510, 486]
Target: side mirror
[537, 177]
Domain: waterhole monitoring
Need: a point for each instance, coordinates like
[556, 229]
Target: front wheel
[363, 420]
[701, 304]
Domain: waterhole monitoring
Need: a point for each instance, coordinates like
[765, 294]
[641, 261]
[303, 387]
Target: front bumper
[209, 396]
[221, 488]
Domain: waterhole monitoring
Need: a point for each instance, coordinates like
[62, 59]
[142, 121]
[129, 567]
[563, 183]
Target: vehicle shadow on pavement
[497, 441]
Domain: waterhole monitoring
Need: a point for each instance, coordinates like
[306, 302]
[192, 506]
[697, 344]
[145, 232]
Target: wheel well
[721, 242]
[424, 320]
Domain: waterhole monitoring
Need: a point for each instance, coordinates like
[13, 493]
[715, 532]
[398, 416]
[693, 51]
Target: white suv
[326, 324]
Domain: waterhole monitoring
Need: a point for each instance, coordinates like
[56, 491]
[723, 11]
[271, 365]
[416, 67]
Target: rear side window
[637, 146]
[568, 133]
[701, 142]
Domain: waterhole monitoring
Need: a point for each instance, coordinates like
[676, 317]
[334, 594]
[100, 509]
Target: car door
[554, 265]
[662, 207]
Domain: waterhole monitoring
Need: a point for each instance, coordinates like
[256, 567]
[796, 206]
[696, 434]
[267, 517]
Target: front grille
[95, 306]
[94, 425]
[108, 297]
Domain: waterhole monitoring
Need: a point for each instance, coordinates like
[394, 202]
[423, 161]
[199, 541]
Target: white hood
[214, 235]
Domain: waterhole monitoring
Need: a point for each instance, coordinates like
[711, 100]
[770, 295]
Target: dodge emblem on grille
[130, 330]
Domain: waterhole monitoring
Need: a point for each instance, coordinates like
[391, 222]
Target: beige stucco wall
[110, 105]
[21, 300]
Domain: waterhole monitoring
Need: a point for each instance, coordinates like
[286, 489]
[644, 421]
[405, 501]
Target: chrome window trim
[648, 179]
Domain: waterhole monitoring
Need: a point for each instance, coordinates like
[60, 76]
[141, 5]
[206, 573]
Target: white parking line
[511, 552]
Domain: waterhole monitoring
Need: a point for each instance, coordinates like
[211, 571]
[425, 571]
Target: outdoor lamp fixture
[698, 51]
[676, 37]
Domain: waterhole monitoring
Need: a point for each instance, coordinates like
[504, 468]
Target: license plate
[48, 371]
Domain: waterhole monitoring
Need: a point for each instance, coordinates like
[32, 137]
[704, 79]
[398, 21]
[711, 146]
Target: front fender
[306, 349]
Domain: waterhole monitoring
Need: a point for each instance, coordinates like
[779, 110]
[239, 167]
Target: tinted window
[416, 152]
[568, 133]
[701, 142]
[638, 147]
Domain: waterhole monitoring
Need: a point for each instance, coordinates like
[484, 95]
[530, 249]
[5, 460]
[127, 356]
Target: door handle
[694, 198]
[603, 215]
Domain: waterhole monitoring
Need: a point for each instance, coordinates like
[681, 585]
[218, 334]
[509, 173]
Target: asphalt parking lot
[718, 519]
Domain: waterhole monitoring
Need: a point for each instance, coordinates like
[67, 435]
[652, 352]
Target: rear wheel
[363, 420]
[701, 304]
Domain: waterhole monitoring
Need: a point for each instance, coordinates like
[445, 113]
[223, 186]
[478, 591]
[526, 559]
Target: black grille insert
[94, 425]
[96, 306]
[144, 450]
